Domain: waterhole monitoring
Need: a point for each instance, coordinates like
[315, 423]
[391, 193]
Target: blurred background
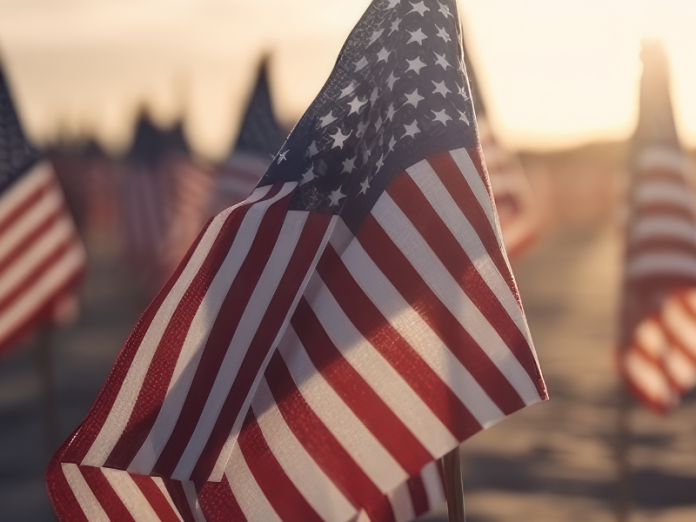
[157, 114]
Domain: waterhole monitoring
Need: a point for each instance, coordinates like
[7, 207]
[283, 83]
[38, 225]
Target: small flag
[327, 340]
[657, 352]
[41, 255]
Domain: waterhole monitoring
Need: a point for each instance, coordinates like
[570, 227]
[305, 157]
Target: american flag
[657, 353]
[327, 340]
[41, 255]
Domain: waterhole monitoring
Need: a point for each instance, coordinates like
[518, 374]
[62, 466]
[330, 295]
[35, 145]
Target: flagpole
[623, 466]
[44, 367]
[454, 486]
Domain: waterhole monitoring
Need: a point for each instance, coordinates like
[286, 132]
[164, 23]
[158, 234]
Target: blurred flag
[325, 341]
[41, 255]
[260, 138]
[657, 353]
[518, 211]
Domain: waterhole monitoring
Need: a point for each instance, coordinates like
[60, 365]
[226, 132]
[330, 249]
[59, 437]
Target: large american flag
[327, 340]
[41, 255]
[657, 355]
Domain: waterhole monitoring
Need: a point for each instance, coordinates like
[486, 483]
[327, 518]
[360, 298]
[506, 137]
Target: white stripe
[130, 494]
[651, 338]
[447, 289]
[679, 323]
[39, 175]
[664, 263]
[400, 499]
[246, 490]
[310, 480]
[377, 372]
[649, 379]
[661, 157]
[356, 439]
[663, 227]
[244, 334]
[196, 339]
[466, 166]
[666, 192]
[165, 493]
[192, 498]
[44, 288]
[408, 323]
[29, 221]
[681, 369]
[441, 201]
[89, 504]
[232, 439]
[432, 482]
[119, 414]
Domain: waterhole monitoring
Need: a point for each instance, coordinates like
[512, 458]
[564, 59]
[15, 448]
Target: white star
[349, 165]
[383, 55]
[380, 162]
[356, 105]
[364, 186]
[308, 176]
[313, 150]
[442, 62]
[395, 26]
[441, 116]
[375, 36]
[411, 130]
[339, 138]
[282, 156]
[366, 155]
[462, 91]
[374, 95]
[417, 36]
[442, 33]
[378, 123]
[414, 98]
[462, 117]
[390, 112]
[336, 196]
[362, 127]
[392, 142]
[393, 4]
[440, 88]
[326, 120]
[415, 65]
[419, 8]
[361, 64]
[445, 11]
[345, 92]
[391, 81]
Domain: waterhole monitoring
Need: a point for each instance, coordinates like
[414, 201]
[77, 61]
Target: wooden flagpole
[623, 465]
[44, 366]
[454, 486]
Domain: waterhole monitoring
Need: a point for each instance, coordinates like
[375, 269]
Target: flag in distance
[657, 351]
[41, 255]
[327, 340]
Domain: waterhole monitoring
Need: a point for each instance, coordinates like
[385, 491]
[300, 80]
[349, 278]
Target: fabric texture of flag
[41, 255]
[657, 351]
[324, 342]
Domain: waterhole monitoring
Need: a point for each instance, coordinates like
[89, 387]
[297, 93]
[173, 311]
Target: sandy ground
[550, 463]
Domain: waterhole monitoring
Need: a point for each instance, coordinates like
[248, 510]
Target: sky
[555, 74]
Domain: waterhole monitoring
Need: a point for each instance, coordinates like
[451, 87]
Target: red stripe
[374, 327]
[178, 495]
[406, 194]
[280, 491]
[408, 282]
[218, 502]
[154, 388]
[647, 401]
[223, 330]
[278, 309]
[84, 435]
[61, 495]
[357, 394]
[323, 446]
[31, 199]
[451, 177]
[155, 498]
[419, 498]
[660, 209]
[109, 500]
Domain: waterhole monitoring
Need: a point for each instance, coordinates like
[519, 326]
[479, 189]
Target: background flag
[327, 340]
[657, 354]
[41, 255]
